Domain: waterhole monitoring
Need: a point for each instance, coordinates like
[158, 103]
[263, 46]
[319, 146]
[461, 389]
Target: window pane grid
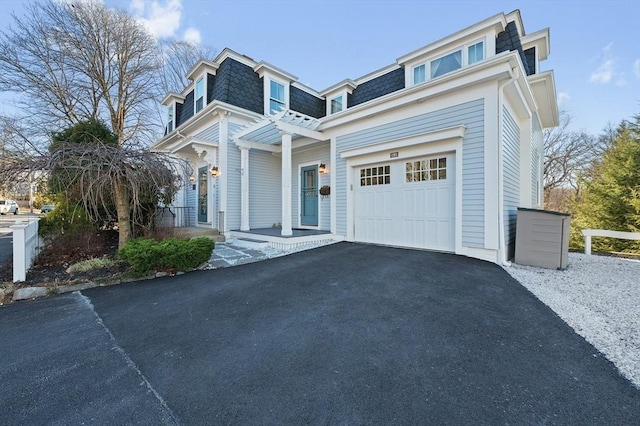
[380, 175]
[425, 170]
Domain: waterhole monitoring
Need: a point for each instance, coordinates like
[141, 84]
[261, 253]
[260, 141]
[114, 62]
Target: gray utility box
[542, 238]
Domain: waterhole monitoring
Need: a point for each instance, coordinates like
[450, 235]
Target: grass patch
[91, 264]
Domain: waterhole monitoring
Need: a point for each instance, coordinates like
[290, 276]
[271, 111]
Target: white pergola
[274, 133]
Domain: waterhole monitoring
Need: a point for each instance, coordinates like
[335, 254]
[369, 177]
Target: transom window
[380, 175]
[336, 104]
[170, 118]
[425, 170]
[199, 94]
[276, 97]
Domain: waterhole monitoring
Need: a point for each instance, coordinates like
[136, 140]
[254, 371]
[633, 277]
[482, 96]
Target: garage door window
[427, 169]
[380, 175]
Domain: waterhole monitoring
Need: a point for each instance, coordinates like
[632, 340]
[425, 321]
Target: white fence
[588, 233]
[25, 247]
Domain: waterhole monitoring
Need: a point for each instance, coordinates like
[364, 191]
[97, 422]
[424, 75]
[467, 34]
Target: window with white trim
[380, 175]
[336, 104]
[475, 53]
[276, 97]
[426, 170]
[199, 94]
[419, 74]
[446, 64]
[170, 117]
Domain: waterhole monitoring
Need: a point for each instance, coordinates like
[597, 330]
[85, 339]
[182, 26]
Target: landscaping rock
[30, 293]
[75, 287]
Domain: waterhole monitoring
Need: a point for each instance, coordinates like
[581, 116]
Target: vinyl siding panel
[191, 202]
[265, 187]
[211, 133]
[232, 215]
[511, 178]
[536, 160]
[305, 156]
[471, 114]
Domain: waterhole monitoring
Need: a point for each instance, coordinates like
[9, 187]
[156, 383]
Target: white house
[435, 151]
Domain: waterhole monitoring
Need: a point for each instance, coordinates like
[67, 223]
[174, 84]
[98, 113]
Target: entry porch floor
[271, 237]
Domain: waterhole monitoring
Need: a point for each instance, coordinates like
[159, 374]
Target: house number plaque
[393, 154]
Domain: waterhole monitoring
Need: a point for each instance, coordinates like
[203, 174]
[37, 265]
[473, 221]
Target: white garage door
[408, 203]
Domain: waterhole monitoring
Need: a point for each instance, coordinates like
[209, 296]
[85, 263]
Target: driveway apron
[353, 334]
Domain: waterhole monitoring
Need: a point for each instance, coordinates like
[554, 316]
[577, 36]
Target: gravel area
[599, 297]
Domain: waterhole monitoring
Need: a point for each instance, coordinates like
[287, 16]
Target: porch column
[244, 185]
[286, 184]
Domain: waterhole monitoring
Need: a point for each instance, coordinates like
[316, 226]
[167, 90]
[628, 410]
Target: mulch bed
[50, 269]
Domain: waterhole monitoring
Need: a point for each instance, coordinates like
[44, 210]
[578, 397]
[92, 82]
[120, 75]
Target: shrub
[65, 219]
[146, 255]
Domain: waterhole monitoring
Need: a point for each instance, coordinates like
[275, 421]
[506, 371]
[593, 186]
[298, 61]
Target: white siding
[511, 179]
[471, 114]
[305, 156]
[265, 189]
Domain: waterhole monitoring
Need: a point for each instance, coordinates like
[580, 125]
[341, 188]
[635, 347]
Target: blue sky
[595, 45]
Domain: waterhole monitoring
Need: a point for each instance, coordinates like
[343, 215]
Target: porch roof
[269, 129]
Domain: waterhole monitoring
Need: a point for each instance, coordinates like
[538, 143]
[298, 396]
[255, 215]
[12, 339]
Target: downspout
[502, 252]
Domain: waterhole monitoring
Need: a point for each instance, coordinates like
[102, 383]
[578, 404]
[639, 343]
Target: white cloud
[636, 68]
[604, 73]
[162, 19]
[562, 97]
[192, 35]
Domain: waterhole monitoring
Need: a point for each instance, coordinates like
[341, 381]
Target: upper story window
[446, 64]
[199, 95]
[420, 74]
[336, 104]
[452, 61]
[475, 53]
[276, 97]
[170, 117]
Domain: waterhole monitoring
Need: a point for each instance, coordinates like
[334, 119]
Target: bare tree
[567, 154]
[176, 58]
[71, 62]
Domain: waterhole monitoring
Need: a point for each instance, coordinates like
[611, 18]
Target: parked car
[47, 208]
[8, 206]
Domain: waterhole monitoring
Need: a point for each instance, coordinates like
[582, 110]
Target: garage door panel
[414, 209]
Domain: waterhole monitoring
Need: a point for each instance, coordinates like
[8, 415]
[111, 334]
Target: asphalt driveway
[343, 334]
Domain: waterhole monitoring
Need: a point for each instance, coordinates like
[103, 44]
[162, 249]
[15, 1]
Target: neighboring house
[435, 151]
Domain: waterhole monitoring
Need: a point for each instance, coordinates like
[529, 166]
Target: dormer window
[336, 104]
[475, 53]
[170, 117]
[453, 60]
[420, 74]
[446, 64]
[199, 94]
[276, 97]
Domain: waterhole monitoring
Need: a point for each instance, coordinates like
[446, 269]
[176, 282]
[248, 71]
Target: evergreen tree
[611, 198]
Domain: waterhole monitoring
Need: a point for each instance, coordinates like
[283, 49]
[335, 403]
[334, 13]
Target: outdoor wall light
[322, 168]
[192, 179]
[215, 172]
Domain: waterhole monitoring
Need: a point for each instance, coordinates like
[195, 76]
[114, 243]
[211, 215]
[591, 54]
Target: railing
[174, 217]
[588, 233]
[25, 247]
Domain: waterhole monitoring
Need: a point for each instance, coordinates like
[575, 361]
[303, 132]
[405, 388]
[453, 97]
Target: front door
[203, 195]
[309, 196]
